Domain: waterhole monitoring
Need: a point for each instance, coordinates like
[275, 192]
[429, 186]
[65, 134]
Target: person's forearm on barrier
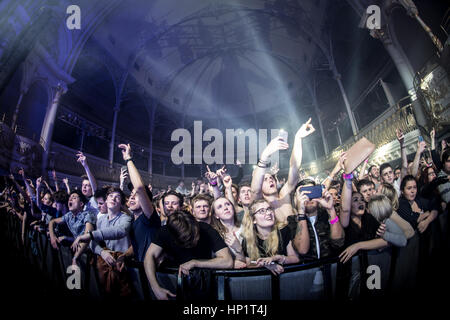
[153, 252]
[223, 260]
[83, 245]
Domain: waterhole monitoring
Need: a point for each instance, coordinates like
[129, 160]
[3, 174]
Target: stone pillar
[337, 77]
[113, 135]
[16, 111]
[49, 122]
[404, 69]
[388, 93]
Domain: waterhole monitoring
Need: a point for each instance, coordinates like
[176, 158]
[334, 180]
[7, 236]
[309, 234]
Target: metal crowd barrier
[326, 279]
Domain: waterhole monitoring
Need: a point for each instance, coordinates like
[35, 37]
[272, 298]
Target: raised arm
[136, 180]
[301, 240]
[432, 138]
[66, 183]
[55, 179]
[346, 202]
[213, 181]
[401, 140]
[228, 182]
[38, 189]
[48, 187]
[81, 158]
[420, 148]
[258, 173]
[336, 230]
[337, 168]
[296, 158]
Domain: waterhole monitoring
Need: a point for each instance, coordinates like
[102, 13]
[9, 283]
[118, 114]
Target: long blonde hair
[217, 224]
[250, 234]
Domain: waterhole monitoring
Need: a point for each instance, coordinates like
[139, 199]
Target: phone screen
[314, 191]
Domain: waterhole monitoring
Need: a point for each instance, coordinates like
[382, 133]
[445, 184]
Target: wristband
[300, 217]
[366, 160]
[347, 176]
[263, 164]
[129, 159]
[334, 220]
[213, 184]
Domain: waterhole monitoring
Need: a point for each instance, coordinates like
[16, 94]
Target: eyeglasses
[264, 211]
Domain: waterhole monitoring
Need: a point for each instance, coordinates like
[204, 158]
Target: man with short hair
[374, 175]
[77, 221]
[171, 201]
[201, 208]
[366, 188]
[100, 198]
[387, 176]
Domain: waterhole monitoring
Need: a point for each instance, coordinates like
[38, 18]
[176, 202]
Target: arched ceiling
[215, 58]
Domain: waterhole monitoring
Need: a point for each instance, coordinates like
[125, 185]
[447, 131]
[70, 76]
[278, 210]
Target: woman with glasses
[264, 245]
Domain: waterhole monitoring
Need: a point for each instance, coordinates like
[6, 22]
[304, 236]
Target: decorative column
[49, 122]
[337, 77]
[16, 111]
[388, 93]
[113, 134]
[404, 69]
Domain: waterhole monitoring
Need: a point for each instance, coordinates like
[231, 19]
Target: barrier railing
[325, 279]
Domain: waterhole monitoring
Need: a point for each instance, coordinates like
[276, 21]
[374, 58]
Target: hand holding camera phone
[313, 192]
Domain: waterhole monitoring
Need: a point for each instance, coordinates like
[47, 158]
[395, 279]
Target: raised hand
[432, 134]
[227, 181]
[306, 129]
[81, 158]
[326, 201]
[54, 174]
[211, 176]
[126, 151]
[400, 136]
[221, 172]
[22, 173]
[275, 169]
[66, 181]
[274, 146]
[303, 197]
[38, 182]
[421, 145]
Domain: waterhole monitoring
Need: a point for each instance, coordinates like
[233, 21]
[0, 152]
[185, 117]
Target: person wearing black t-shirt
[264, 244]
[146, 222]
[190, 244]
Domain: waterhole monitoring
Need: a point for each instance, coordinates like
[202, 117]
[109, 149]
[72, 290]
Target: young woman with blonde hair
[265, 245]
